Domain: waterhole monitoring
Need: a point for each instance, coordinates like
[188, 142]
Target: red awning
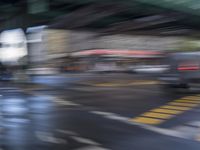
[116, 52]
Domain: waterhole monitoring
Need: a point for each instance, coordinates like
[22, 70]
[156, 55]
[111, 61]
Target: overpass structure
[149, 17]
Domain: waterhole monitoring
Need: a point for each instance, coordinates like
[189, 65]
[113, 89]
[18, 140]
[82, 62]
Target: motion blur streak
[99, 75]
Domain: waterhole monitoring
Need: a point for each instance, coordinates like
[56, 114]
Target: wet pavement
[97, 112]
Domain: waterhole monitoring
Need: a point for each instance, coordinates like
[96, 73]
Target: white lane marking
[67, 132]
[78, 138]
[117, 117]
[93, 145]
[41, 97]
[109, 115]
[85, 140]
[48, 137]
[195, 123]
[163, 131]
[101, 113]
[188, 131]
[92, 148]
[17, 120]
[65, 102]
[126, 120]
[59, 101]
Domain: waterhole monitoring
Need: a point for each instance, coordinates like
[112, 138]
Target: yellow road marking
[176, 107]
[183, 104]
[146, 120]
[187, 101]
[167, 111]
[139, 82]
[157, 115]
[191, 98]
[171, 109]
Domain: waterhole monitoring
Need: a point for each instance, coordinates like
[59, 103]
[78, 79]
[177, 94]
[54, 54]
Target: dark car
[183, 70]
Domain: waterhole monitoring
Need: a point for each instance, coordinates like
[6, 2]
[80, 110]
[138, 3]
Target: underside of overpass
[164, 17]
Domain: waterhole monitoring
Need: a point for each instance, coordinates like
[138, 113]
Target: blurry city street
[99, 75]
[80, 113]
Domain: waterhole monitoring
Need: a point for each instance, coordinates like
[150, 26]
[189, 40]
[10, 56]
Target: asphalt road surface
[98, 112]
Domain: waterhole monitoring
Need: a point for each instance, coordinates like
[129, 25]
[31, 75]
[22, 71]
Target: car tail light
[188, 68]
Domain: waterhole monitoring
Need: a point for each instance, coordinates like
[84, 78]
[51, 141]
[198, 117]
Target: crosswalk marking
[162, 113]
[187, 101]
[176, 107]
[157, 115]
[167, 111]
[183, 104]
[191, 98]
[146, 120]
